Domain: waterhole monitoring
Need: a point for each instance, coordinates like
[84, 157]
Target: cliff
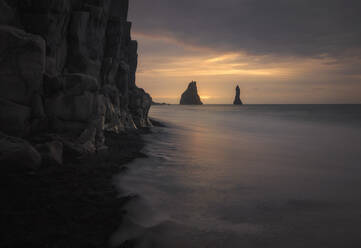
[67, 74]
[237, 99]
[190, 96]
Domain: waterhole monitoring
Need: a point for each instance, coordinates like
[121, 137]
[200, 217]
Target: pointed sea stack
[237, 99]
[190, 96]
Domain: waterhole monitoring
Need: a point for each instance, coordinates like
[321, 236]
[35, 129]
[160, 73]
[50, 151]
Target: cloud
[278, 51]
[279, 27]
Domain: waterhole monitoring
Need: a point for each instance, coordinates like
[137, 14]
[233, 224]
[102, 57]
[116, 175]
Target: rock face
[68, 67]
[237, 99]
[52, 153]
[18, 152]
[190, 96]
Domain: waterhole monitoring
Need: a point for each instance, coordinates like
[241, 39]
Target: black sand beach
[74, 205]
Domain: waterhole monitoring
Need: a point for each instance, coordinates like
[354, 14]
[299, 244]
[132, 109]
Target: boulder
[190, 96]
[237, 99]
[18, 152]
[83, 145]
[51, 153]
[22, 64]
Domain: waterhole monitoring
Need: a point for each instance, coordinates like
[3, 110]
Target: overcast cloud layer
[269, 32]
[287, 27]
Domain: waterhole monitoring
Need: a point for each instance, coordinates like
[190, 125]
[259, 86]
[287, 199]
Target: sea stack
[237, 99]
[190, 96]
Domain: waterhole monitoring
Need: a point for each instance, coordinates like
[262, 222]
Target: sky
[279, 51]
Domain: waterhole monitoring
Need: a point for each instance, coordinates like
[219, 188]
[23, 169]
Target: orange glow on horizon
[224, 64]
[166, 72]
[205, 97]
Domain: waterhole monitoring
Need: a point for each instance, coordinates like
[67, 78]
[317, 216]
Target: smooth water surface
[249, 176]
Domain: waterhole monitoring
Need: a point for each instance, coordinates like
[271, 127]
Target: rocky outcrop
[237, 99]
[18, 152]
[68, 67]
[51, 152]
[158, 103]
[190, 96]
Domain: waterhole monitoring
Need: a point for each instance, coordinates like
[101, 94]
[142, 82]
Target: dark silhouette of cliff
[69, 114]
[237, 99]
[190, 96]
[68, 68]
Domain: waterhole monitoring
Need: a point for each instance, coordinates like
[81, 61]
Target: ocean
[247, 176]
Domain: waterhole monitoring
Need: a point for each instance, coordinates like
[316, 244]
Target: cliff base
[73, 205]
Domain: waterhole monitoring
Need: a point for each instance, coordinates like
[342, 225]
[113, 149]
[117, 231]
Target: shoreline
[73, 205]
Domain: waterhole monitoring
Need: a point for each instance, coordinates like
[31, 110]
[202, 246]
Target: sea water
[247, 176]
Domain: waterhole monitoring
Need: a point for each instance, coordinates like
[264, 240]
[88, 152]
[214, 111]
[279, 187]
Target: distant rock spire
[237, 99]
[190, 96]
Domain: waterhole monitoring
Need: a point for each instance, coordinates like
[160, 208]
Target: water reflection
[221, 176]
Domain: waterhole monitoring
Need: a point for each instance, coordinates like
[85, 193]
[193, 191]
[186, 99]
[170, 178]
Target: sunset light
[263, 79]
[180, 124]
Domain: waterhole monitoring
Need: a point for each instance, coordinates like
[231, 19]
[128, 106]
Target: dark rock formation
[190, 96]
[237, 99]
[18, 152]
[158, 103]
[51, 152]
[68, 67]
